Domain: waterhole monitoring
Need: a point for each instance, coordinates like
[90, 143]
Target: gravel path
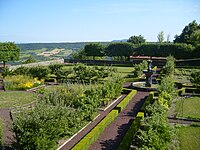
[114, 133]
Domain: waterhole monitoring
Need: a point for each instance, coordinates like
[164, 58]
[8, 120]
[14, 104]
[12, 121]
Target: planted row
[60, 112]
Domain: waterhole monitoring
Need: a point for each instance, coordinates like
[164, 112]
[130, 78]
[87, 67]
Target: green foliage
[167, 85]
[93, 135]
[132, 131]
[169, 68]
[148, 101]
[187, 35]
[39, 72]
[94, 49]
[136, 39]
[125, 101]
[178, 50]
[165, 99]
[20, 82]
[157, 133]
[6, 72]
[195, 78]
[41, 126]
[21, 71]
[9, 52]
[30, 60]
[139, 68]
[119, 50]
[160, 37]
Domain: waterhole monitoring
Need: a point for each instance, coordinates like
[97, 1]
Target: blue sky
[28, 21]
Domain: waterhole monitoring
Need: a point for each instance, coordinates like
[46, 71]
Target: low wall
[43, 63]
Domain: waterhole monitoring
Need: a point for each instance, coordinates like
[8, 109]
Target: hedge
[181, 91]
[125, 101]
[132, 131]
[93, 135]
[148, 101]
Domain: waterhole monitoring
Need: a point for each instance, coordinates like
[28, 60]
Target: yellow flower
[28, 84]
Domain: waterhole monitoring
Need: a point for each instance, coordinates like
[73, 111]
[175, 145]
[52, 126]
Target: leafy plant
[139, 68]
[195, 78]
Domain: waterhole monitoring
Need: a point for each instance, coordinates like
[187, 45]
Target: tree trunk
[4, 64]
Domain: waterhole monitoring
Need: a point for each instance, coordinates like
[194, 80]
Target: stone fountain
[147, 84]
[148, 73]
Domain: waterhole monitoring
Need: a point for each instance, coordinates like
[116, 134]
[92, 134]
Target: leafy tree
[119, 49]
[8, 51]
[94, 49]
[195, 37]
[79, 55]
[160, 37]
[30, 60]
[136, 39]
[195, 78]
[186, 35]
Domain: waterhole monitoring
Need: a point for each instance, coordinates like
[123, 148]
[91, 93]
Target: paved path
[114, 133]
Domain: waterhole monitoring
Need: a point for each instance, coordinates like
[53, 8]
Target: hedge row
[93, 135]
[132, 131]
[125, 101]
[148, 101]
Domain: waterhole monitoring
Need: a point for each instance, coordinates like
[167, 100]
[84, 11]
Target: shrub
[157, 133]
[39, 72]
[165, 99]
[20, 82]
[167, 85]
[139, 68]
[195, 78]
[170, 66]
[41, 126]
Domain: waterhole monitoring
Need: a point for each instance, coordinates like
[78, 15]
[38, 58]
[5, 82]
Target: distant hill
[71, 46]
[123, 40]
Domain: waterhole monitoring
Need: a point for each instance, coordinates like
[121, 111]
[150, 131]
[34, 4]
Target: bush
[39, 72]
[139, 68]
[20, 82]
[167, 85]
[195, 78]
[165, 99]
[93, 135]
[130, 134]
[157, 133]
[169, 68]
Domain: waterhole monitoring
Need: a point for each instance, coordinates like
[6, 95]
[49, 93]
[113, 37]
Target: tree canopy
[160, 37]
[94, 49]
[188, 34]
[9, 52]
[136, 39]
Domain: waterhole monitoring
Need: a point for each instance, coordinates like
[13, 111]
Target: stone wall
[43, 63]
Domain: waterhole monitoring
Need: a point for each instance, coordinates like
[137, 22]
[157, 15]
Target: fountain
[148, 84]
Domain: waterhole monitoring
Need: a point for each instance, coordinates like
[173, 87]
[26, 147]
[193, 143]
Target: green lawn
[12, 99]
[188, 107]
[189, 138]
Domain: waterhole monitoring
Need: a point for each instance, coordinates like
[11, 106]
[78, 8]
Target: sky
[33, 21]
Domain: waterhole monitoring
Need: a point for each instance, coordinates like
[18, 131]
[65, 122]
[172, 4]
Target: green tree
[186, 35]
[136, 39]
[160, 37]
[30, 60]
[195, 37]
[94, 49]
[9, 52]
[119, 50]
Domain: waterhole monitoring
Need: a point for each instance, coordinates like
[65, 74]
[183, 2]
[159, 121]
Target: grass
[188, 108]
[189, 138]
[16, 98]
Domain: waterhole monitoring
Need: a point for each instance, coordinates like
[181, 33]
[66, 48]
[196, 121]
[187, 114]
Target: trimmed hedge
[132, 131]
[93, 135]
[181, 91]
[125, 101]
[148, 101]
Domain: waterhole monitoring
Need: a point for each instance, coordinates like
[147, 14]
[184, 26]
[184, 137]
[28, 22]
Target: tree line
[185, 45]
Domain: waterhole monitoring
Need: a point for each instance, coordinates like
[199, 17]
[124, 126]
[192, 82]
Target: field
[188, 107]
[15, 98]
[189, 138]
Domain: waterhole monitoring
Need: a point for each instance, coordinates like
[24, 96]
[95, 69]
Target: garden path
[114, 133]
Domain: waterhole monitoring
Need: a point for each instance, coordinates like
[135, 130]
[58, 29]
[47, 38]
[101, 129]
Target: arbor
[136, 39]
[94, 49]
[186, 35]
[9, 51]
[160, 37]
